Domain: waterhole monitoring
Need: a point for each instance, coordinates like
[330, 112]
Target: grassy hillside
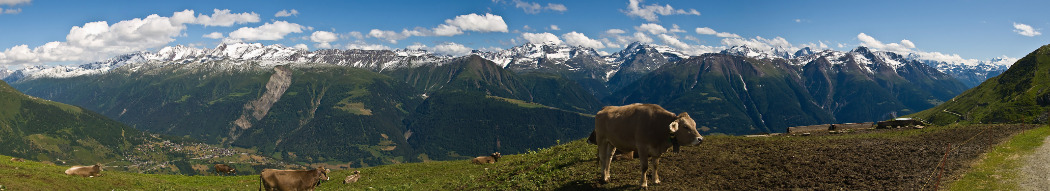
[43, 130]
[899, 159]
[460, 125]
[1019, 95]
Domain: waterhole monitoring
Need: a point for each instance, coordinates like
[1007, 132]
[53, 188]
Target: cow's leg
[656, 169]
[605, 153]
[643, 156]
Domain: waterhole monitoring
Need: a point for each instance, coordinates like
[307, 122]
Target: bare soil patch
[892, 159]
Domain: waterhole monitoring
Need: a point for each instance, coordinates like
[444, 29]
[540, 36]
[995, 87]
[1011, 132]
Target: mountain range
[369, 107]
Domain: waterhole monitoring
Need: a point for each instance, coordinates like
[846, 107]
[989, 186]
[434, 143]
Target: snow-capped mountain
[4, 72]
[236, 54]
[616, 69]
[971, 73]
[771, 53]
[531, 56]
[869, 61]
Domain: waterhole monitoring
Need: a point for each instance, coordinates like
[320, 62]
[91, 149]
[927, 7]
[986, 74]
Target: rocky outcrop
[257, 109]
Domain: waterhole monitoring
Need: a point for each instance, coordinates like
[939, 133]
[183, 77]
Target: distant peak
[861, 49]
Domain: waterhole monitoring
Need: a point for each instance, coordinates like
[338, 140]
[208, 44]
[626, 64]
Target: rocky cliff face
[257, 109]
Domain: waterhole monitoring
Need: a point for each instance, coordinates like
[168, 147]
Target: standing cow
[85, 171]
[224, 169]
[647, 129]
[285, 180]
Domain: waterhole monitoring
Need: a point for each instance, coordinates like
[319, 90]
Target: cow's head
[323, 173]
[496, 156]
[683, 132]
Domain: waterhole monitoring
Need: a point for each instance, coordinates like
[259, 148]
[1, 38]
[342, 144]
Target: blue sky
[56, 32]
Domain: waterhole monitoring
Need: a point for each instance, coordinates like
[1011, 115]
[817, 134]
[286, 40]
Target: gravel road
[1035, 174]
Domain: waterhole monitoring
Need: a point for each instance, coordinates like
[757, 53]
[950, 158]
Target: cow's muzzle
[697, 141]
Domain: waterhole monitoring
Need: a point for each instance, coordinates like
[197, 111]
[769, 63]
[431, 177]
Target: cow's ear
[674, 126]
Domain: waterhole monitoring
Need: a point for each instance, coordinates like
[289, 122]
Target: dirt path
[1035, 174]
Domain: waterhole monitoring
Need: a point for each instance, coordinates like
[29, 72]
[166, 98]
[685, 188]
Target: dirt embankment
[894, 159]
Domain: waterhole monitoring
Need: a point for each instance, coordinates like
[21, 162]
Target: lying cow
[647, 129]
[273, 179]
[223, 168]
[17, 160]
[85, 171]
[352, 178]
[487, 159]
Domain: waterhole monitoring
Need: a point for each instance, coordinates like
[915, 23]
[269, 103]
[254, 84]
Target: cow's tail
[262, 184]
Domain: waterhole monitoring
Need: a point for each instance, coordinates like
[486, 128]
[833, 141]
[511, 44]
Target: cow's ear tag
[674, 126]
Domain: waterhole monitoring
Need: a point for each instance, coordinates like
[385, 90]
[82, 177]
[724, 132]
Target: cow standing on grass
[85, 171]
[284, 180]
[647, 129]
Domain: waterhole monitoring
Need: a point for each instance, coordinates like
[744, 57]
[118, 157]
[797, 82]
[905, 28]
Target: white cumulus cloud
[391, 36]
[651, 28]
[323, 38]
[709, 31]
[480, 23]
[554, 27]
[269, 31]
[452, 27]
[356, 35]
[675, 29]
[1026, 30]
[868, 41]
[301, 47]
[217, 18]
[534, 8]
[213, 35]
[615, 31]
[541, 38]
[652, 12]
[286, 13]
[98, 40]
[579, 39]
[14, 2]
[451, 49]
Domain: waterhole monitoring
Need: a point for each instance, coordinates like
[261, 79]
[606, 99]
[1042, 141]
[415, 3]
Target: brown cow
[352, 178]
[647, 129]
[619, 155]
[273, 179]
[223, 168]
[85, 171]
[17, 160]
[487, 159]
